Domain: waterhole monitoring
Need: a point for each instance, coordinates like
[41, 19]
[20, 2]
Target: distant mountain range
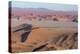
[41, 10]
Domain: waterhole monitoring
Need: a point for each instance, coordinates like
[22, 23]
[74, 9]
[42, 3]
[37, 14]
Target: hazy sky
[52, 6]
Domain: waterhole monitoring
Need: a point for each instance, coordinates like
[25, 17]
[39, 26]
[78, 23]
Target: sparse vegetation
[44, 38]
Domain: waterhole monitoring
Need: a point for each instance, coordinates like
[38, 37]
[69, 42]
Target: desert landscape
[43, 35]
[42, 29]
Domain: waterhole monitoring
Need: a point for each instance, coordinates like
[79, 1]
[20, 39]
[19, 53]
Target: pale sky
[52, 6]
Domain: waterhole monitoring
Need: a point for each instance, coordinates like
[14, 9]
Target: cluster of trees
[50, 17]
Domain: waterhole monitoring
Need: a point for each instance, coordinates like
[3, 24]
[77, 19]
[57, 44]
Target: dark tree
[18, 17]
[55, 19]
[31, 14]
[75, 20]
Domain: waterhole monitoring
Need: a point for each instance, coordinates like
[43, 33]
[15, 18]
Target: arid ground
[49, 36]
[41, 36]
